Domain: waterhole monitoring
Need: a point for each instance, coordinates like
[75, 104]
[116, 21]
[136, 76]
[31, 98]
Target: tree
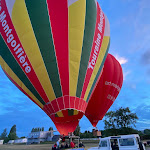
[120, 131]
[32, 130]
[77, 131]
[51, 129]
[42, 128]
[125, 118]
[110, 120]
[12, 134]
[87, 134]
[3, 136]
[22, 137]
[121, 118]
[147, 131]
[35, 130]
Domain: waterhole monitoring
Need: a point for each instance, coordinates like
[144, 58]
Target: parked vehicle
[121, 142]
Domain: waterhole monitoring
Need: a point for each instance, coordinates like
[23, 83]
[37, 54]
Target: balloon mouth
[68, 121]
[94, 122]
[64, 128]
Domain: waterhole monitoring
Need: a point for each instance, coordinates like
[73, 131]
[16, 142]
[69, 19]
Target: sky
[130, 44]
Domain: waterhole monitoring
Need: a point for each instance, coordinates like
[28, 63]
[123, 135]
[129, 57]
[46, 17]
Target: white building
[11, 141]
[1, 142]
[21, 141]
[41, 136]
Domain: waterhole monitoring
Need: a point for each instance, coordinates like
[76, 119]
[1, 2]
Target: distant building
[36, 137]
[11, 141]
[97, 133]
[18, 141]
[1, 142]
[21, 141]
[40, 136]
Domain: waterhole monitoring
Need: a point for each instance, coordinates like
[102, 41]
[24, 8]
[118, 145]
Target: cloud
[125, 74]
[143, 107]
[145, 58]
[145, 61]
[122, 60]
[4, 111]
[142, 25]
[133, 86]
[148, 71]
[144, 121]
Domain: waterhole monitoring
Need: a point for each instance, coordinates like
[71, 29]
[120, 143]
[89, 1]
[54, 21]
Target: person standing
[72, 144]
[58, 143]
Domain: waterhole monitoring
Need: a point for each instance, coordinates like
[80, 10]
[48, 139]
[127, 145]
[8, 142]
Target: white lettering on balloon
[110, 97]
[97, 42]
[10, 39]
[113, 85]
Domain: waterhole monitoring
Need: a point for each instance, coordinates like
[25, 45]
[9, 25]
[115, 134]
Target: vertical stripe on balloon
[97, 69]
[39, 18]
[105, 45]
[77, 13]
[58, 13]
[95, 52]
[104, 50]
[90, 22]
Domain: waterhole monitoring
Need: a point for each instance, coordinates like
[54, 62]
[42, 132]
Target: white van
[121, 142]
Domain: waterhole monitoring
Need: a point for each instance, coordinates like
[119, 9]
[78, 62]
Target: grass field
[42, 146]
[34, 147]
[87, 144]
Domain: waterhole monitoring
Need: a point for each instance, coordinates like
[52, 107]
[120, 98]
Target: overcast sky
[130, 44]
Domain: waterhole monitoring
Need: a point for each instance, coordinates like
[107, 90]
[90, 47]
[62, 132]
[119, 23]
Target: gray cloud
[148, 71]
[145, 58]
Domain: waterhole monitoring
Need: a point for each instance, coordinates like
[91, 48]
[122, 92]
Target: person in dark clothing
[66, 146]
[54, 147]
[81, 144]
[115, 146]
[141, 146]
[63, 138]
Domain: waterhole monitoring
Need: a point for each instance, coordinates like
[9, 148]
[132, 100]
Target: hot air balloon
[53, 51]
[106, 91]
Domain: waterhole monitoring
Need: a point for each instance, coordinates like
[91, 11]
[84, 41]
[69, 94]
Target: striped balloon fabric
[54, 51]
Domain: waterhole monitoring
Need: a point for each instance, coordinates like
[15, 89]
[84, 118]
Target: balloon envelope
[53, 51]
[106, 91]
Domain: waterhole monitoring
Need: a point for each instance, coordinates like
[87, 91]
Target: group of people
[61, 144]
